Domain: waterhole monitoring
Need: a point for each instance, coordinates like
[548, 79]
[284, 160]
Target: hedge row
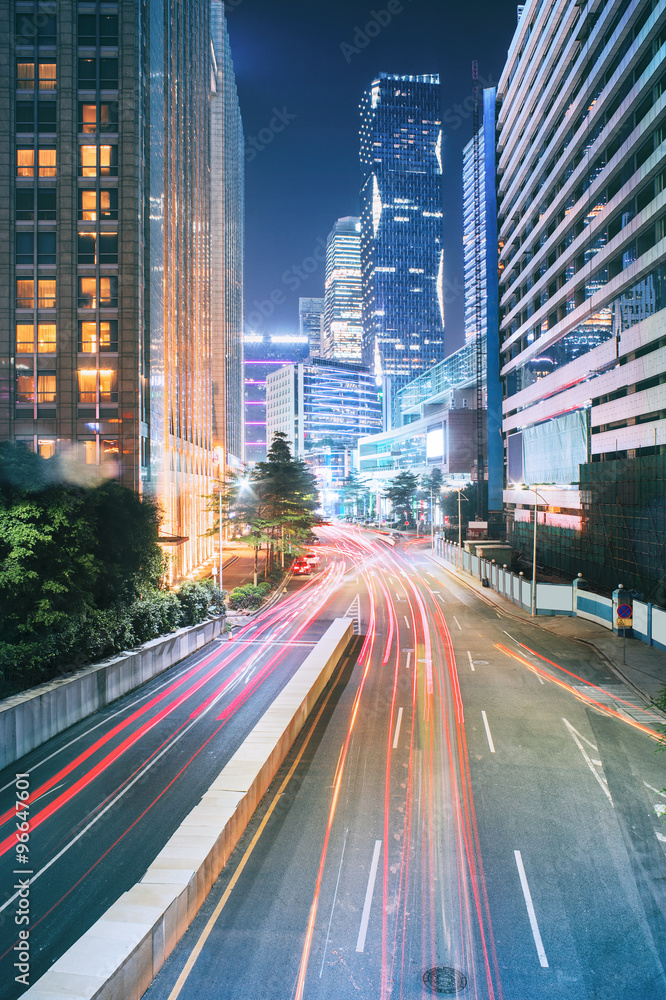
[103, 633]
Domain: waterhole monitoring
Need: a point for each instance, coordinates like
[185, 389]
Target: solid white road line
[365, 917]
[590, 763]
[335, 896]
[490, 739]
[457, 623]
[530, 911]
[406, 621]
[471, 661]
[397, 729]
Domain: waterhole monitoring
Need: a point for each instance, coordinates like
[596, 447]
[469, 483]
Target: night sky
[299, 92]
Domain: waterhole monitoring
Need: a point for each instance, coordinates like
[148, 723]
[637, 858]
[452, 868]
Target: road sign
[624, 611]
[625, 622]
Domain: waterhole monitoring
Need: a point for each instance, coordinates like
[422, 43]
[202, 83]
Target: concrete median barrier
[123, 951]
[31, 718]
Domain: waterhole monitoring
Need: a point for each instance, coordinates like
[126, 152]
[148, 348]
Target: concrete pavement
[642, 668]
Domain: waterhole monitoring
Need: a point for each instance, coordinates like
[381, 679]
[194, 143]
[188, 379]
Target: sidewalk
[645, 669]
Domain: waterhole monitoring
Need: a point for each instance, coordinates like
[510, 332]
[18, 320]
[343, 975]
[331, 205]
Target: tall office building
[474, 238]
[343, 299]
[105, 344]
[227, 250]
[263, 355]
[311, 323]
[582, 238]
[401, 226]
[324, 407]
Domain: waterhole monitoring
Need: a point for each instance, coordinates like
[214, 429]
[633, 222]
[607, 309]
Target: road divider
[31, 718]
[125, 949]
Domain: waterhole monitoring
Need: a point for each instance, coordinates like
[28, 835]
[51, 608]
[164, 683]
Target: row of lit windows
[94, 385]
[91, 74]
[87, 449]
[93, 205]
[93, 292]
[94, 161]
[40, 116]
[41, 338]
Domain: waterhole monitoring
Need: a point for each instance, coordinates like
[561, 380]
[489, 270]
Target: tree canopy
[401, 493]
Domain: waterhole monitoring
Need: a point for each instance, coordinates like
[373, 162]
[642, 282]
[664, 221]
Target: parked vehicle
[301, 567]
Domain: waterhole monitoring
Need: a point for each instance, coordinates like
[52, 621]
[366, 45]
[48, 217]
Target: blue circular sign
[624, 611]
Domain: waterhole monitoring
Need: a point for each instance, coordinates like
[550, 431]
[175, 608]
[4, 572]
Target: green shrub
[248, 596]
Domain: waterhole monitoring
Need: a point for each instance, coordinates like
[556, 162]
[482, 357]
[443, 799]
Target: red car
[301, 567]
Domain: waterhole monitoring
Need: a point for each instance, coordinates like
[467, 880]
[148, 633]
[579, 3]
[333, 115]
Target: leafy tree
[401, 494]
[355, 494]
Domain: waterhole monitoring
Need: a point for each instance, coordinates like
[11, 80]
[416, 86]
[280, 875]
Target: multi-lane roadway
[465, 813]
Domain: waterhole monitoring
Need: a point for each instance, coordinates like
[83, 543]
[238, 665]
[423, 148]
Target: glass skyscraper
[401, 226]
[227, 250]
[105, 330]
[311, 322]
[343, 300]
[474, 237]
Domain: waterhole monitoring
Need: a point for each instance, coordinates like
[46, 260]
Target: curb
[643, 695]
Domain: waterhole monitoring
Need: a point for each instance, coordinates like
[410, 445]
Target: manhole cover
[444, 979]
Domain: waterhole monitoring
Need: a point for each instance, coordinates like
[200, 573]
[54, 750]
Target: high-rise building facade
[474, 238]
[263, 355]
[401, 226]
[582, 238]
[324, 407]
[343, 297]
[227, 251]
[311, 324]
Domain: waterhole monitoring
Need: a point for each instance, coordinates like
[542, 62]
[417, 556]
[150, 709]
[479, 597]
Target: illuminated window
[109, 451]
[87, 337]
[25, 76]
[25, 162]
[108, 335]
[108, 204]
[25, 293]
[88, 452]
[46, 388]
[108, 161]
[25, 386]
[47, 76]
[47, 162]
[47, 293]
[87, 293]
[25, 338]
[87, 385]
[87, 206]
[87, 118]
[108, 292]
[46, 338]
[108, 386]
[88, 161]
[46, 447]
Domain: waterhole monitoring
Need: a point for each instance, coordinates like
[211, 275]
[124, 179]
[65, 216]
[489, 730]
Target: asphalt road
[465, 805]
[107, 794]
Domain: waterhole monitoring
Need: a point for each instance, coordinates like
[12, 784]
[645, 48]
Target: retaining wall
[125, 949]
[31, 718]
